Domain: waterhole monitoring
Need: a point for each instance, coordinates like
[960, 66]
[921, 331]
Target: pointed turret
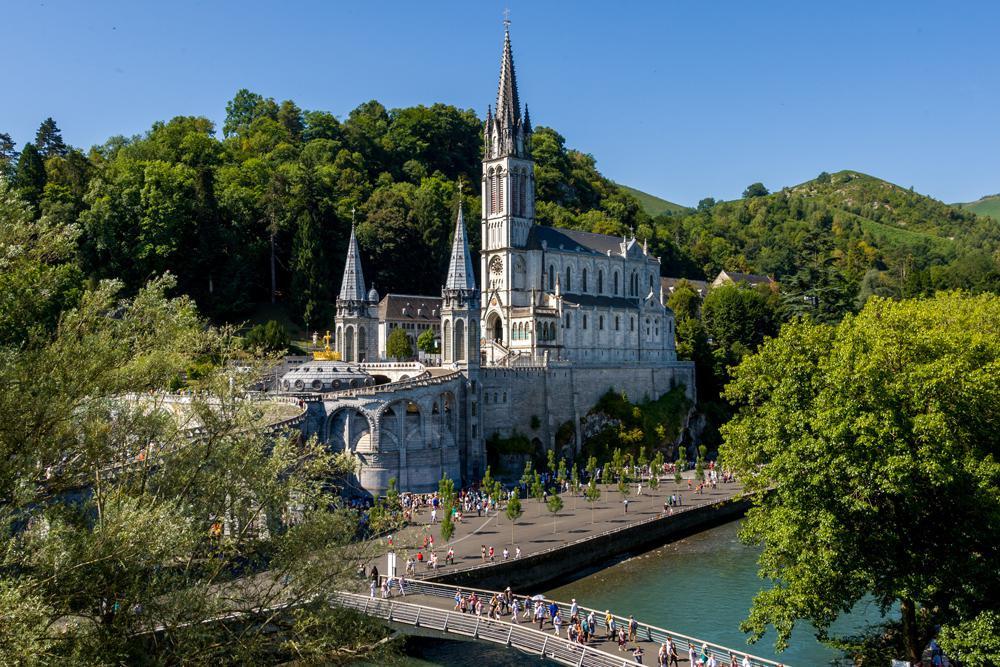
[507, 132]
[460, 275]
[352, 287]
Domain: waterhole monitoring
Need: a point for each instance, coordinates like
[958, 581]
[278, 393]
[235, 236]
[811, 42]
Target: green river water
[700, 586]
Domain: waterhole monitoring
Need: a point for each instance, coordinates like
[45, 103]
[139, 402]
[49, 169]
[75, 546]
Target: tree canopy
[871, 449]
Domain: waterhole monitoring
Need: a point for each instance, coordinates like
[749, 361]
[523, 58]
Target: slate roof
[572, 240]
[352, 287]
[460, 275]
[600, 301]
[392, 305]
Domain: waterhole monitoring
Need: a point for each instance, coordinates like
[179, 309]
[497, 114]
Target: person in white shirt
[746, 661]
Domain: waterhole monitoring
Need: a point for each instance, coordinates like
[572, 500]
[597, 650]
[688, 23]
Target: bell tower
[508, 196]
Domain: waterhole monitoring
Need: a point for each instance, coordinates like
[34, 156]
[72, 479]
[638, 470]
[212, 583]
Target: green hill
[652, 204]
[988, 206]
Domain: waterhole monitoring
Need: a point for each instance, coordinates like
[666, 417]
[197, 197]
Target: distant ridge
[988, 206]
[652, 204]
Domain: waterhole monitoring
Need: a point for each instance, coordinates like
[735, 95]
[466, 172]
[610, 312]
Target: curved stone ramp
[436, 599]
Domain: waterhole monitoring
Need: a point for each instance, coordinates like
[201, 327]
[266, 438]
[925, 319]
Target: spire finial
[353, 215]
[506, 19]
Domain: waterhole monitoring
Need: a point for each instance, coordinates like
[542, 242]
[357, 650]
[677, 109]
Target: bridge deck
[432, 606]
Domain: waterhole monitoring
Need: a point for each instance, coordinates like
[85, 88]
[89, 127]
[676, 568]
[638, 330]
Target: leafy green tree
[591, 467]
[49, 141]
[550, 459]
[446, 490]
[680, 465]
[8, 155]
[397, 346]
[706, 204]
[737, 319]
[527, 476]
[537, 489]
[561, 470]
[447, 525]
[592, 494]
[427, 342]
[513, 511]
[272, 336]
[755, 190]
[877, 441]
[29, 177]
[554, 505]
[699, 464]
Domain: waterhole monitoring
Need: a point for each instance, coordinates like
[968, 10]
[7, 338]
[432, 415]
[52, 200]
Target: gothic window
[524, 186]
[650, 282]
[583, 281]
[631, 324]
[600, 323]
[362, 344]
[567, 320]
[584, 321]
[600, 281]
[459, 340]
[616, 323]
[569, 280]
[552, 277]
[520, 273]
[446, 340]
[491, 186]
[349, 344]
[616, 283]
[500, 206]
[515, 200]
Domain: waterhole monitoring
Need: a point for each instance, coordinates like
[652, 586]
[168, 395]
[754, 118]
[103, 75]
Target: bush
[269, 337]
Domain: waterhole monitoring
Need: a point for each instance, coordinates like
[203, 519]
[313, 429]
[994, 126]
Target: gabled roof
[737, 277]
[352, 287]
[572, 240]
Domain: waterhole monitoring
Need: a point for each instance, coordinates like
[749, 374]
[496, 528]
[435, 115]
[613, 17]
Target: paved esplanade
[533, 532]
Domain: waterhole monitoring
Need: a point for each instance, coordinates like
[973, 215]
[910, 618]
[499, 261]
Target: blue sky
[681, 99]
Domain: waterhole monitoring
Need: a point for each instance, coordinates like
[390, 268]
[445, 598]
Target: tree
[591, 467]
[699, 465]
[706, 204]
[680, 465]
[8, 155]
[561, 470]
[446, 490]
[397, 346]
[29, 177]
[592, 494]
[877, 441]
[656, 469]
[513, 511]
[574, 485]
[554, 505]
[684, 301]
[49, 141]
[427, 342]
[755, 190]
[152, 544]
[271, 336]
[538, 489]
[447, 525]
[550, 457]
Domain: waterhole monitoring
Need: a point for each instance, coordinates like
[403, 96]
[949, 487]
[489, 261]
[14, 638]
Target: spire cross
[506, 18]
[461, 187]
[352, 216]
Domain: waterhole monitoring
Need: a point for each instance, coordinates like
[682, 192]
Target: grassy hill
[652, 204]
[988, 206]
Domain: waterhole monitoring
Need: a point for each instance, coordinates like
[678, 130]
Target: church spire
[460, 275]
[508, 107]
[352, 287]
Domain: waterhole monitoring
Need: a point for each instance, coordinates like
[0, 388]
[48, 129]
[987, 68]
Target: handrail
[652, 633]
[521, 637]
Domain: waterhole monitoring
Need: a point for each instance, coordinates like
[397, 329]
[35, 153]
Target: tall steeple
[460, 275]
[506, 132]
[352, 287]
[508, 107]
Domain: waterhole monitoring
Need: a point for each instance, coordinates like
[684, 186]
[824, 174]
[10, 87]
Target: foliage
[877, 441]
[427, 342]
[651, 423]
[554, 504]
[755, 190]
[447, 525]
[269, 337]
[513, 511]
[397, 345]
[975, 641]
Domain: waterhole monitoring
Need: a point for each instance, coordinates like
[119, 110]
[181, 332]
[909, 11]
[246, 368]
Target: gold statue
[326, 354]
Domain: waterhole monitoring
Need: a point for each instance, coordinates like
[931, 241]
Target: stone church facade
[560, 318]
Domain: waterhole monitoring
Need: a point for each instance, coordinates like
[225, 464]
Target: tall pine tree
[48, 139]
[29, 178]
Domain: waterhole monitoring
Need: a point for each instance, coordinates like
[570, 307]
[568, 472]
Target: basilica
[559, 318]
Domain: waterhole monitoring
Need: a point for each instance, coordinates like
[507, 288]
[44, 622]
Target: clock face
[496, 266]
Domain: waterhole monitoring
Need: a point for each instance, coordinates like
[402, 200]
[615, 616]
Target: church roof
[460, 275]
[573, 240]
[352, 287]
[409, 307]
[508, 109]
[600, 301]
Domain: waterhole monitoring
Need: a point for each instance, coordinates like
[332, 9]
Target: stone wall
[536, 572]
[511, 396]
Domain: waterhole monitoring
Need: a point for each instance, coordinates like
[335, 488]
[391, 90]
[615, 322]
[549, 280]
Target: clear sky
[681, 99]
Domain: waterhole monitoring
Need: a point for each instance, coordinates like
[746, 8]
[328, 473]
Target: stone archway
[494, 328]
[348, 429]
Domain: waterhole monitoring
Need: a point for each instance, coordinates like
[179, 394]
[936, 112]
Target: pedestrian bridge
[430, 606]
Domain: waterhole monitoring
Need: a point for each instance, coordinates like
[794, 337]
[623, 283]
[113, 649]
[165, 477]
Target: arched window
[616, 323]
[446, 339]
[631, 324]
[616, 283]
[569, 280]
[567, 320]
[651, 282]
[600, 323]
[349, 344]
[515, 200]
[459, 340]
[584, 321]
[600, 281]
[362, 344]
[552, 277]
[524, 188]
[583, 281]
[500, 206]
[492, 187]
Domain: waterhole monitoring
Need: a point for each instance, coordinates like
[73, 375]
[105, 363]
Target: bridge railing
[521, 637]
[646, 632]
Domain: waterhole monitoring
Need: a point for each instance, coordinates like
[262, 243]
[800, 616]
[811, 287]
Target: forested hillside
[988, 206]
[262, 210]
